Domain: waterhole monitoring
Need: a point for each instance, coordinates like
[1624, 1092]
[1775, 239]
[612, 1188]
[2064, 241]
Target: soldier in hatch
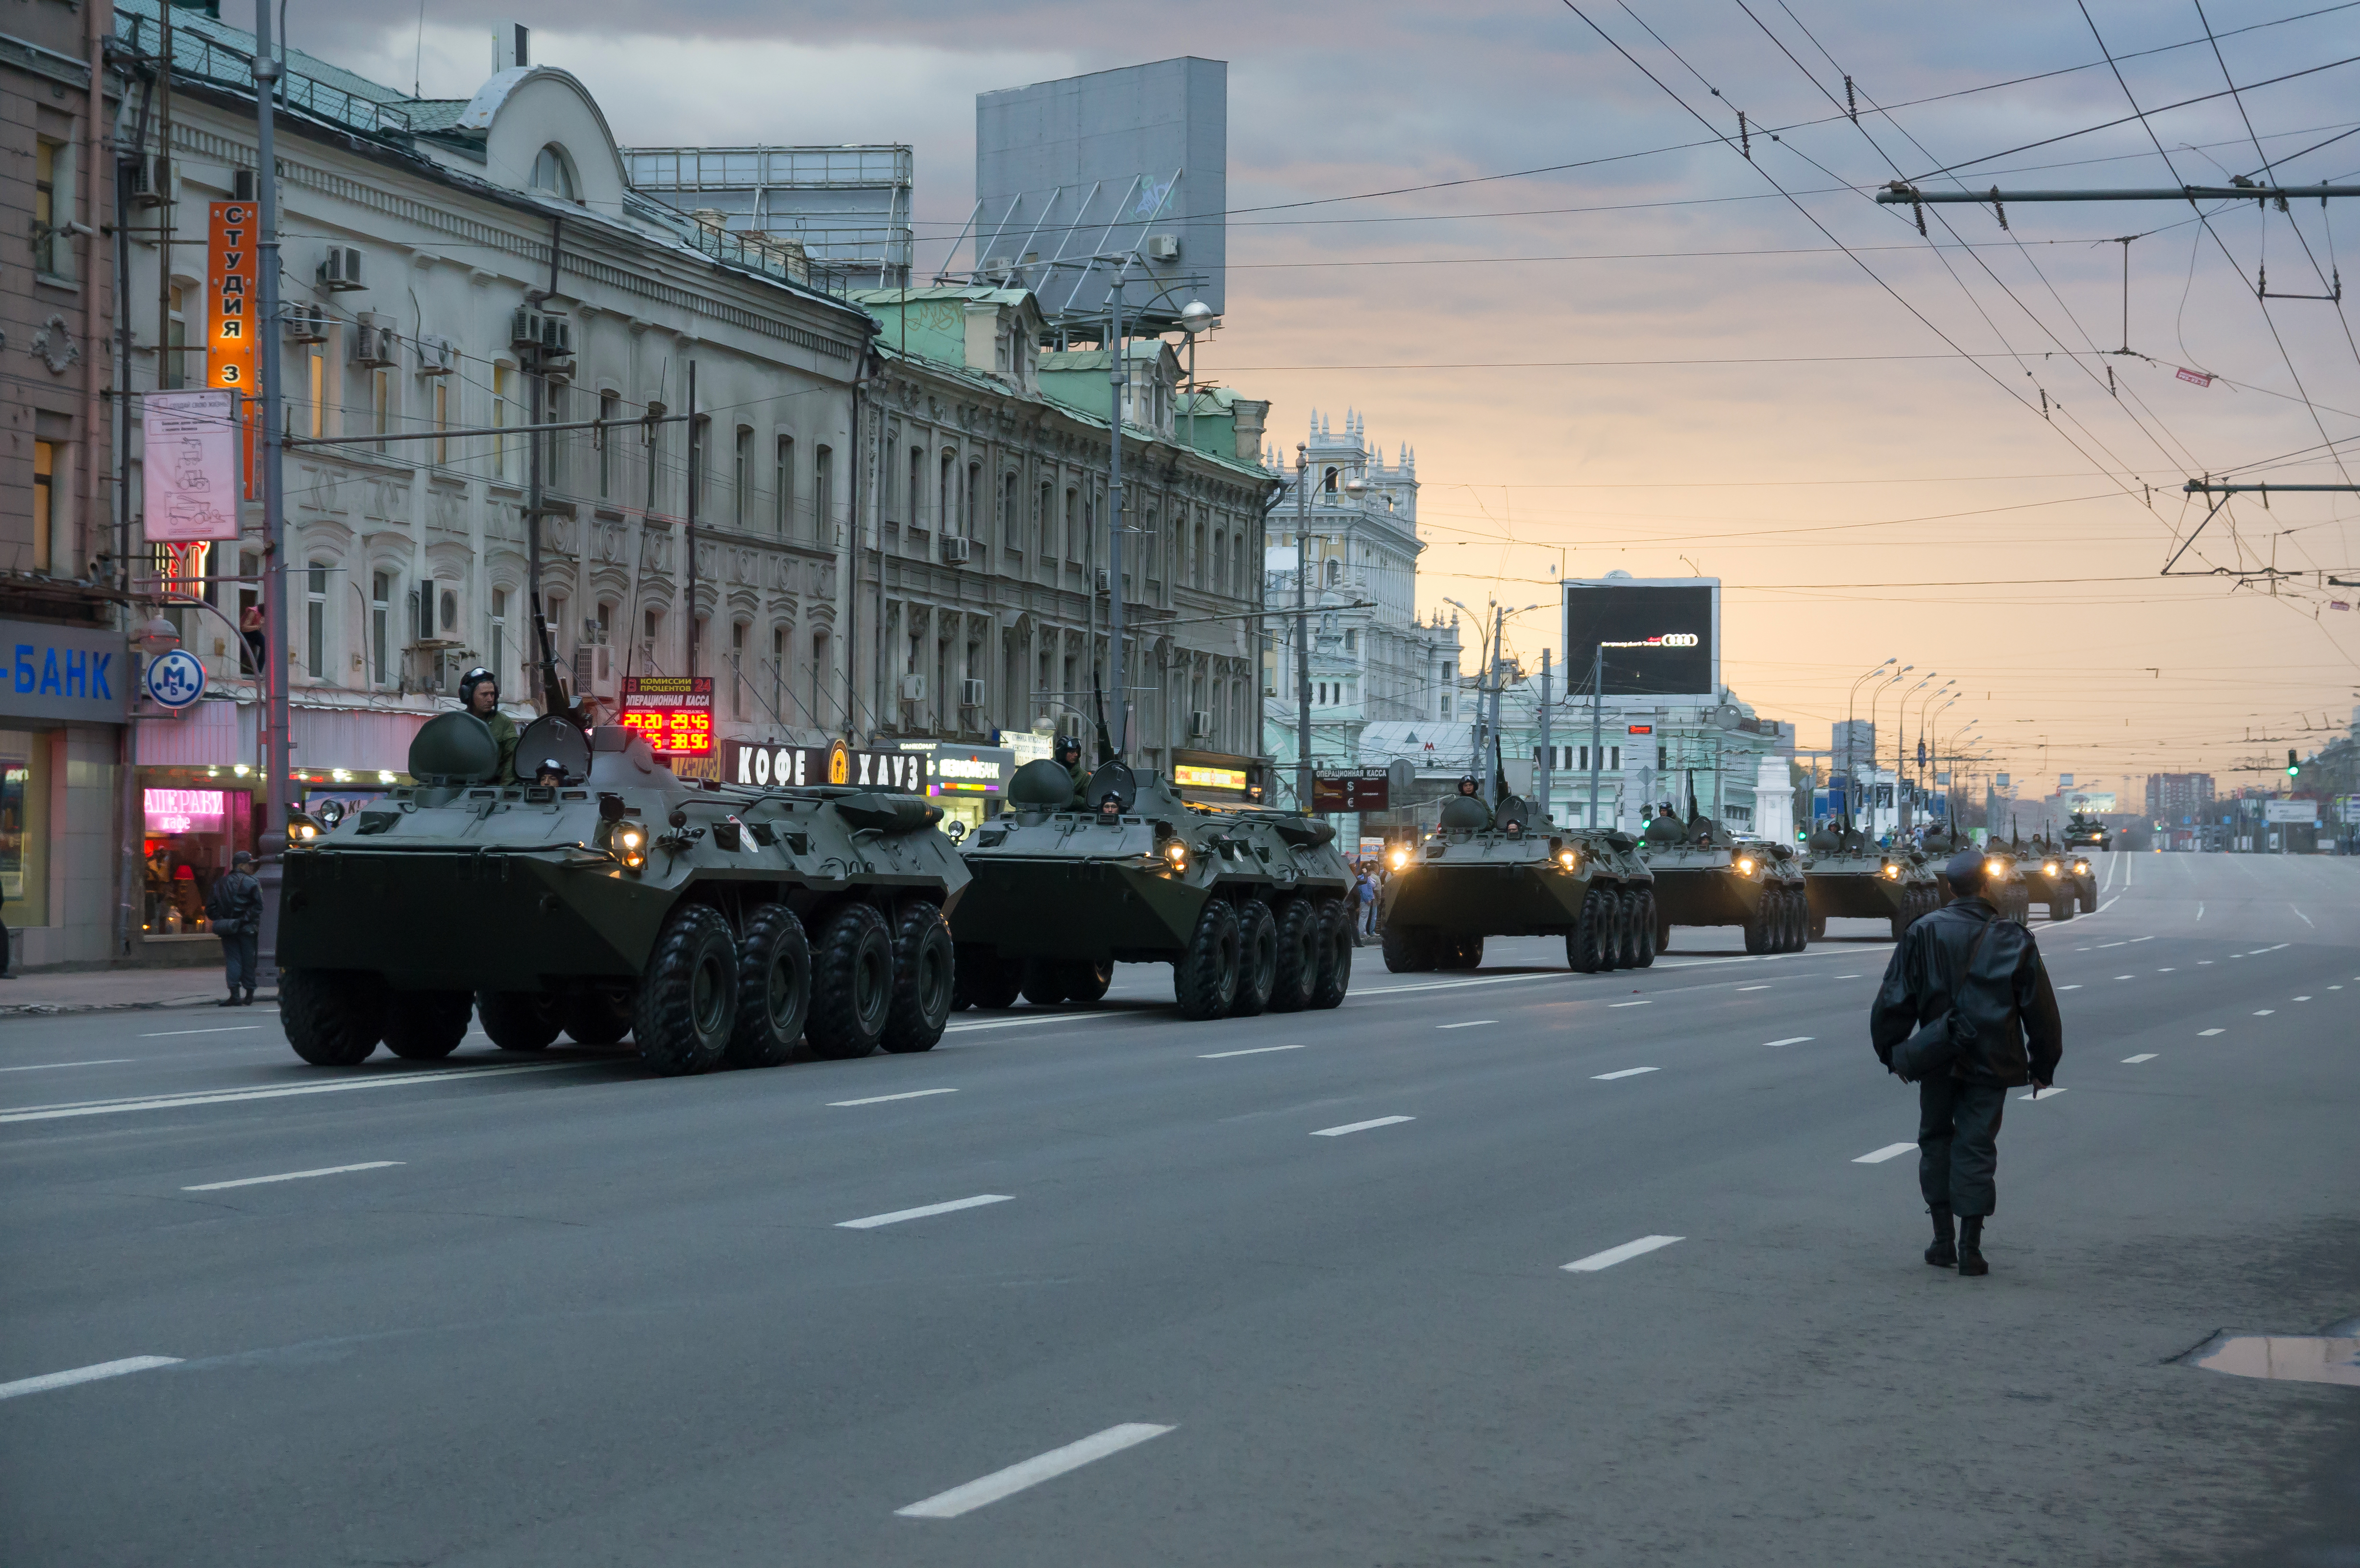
[1069, 754]
[480, 692]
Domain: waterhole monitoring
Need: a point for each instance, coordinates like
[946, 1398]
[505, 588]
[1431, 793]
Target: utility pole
[1118, 369]
[688, 526]
[1302, 627]
[1548, 755]
[1597, 719]
[276, 788]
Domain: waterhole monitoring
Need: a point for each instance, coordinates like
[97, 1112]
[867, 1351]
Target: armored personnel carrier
[2049, 878]
[2003, 884]
[1706, 878]
[1847, 877]
[711, 924]
[1483, 874]
[1247, 907]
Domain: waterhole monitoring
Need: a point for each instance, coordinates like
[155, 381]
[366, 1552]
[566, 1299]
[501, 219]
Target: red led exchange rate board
[674, 712]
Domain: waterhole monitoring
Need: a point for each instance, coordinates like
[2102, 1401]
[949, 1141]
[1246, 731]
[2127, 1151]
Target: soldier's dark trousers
[240, 954]
[1957, 1144]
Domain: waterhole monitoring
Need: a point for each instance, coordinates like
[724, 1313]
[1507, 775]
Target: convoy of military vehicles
[720, 924]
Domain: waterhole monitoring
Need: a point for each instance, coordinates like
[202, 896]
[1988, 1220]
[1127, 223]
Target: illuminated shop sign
[673, 712]
[184, 811]
[1190, 775]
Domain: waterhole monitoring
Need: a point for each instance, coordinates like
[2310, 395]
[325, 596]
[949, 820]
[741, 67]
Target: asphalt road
[1265, 1291]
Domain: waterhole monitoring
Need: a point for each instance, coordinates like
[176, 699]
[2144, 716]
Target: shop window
[193, 820]
[24, 829]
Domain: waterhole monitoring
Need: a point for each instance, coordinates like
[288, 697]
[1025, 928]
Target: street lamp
[1901, 739]
[1851, 746]
[1875, 696]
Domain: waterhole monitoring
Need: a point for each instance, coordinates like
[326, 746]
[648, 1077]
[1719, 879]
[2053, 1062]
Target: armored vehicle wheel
[1408, 949]
[426, 1026]
[1043, 982]
[517, 1020]
[1634, 927]
[1584, 945]
[1757, 924]
[1298, 974]
[1257, 959]
[924, 962]
[1610, 928]
[1460, 952]
[1336, 954]
[596, 1018]
[688, 998]
[2061, 907]
[1085, 979]
[852, 983]
[774, 986]
[1663, 932]
[1798, 921]
[985, 979]
[333, 1018]
[1204, 978]
[1644, 928]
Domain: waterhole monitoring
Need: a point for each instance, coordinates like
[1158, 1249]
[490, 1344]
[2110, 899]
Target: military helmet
[1469, 784]
[473, 679]
[1066, 747]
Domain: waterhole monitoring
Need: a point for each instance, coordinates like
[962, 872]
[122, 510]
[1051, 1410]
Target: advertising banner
[190, 468]
[235, 328]
[2290, 811]
[1652, 636]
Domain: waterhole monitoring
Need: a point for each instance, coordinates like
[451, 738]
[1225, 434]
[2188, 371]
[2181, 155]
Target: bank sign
[63, 672]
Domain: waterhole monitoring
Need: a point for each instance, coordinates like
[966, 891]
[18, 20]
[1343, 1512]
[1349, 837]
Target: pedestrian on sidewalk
[235, 913]
[1966, 1012]
[1365, 890]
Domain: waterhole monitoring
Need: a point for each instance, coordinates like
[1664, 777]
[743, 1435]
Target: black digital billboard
[1662, 636]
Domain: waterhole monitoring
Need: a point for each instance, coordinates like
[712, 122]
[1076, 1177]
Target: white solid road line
[898, 1215]
[294, 1176]
[85, 1374]
[1613, 1255]
[2303, 918]
[2202, 1034]
[1032, 1471]
[1470, 1023]
[2107, 905]
[2263, 1012]
[1793, 1040]
[237, 1096]
[1255, 1050]
[1361, 1127]
[1627, 1004]
[880, 1099]
[230, 1029]
[2142, 1056]
[2074, 987]
[1627, 1073]
[1754, 987]
[1879, 1156]
[2037, 1095]
[110, 1061]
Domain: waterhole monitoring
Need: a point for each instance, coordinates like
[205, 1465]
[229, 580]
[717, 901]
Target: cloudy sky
[1616, 341]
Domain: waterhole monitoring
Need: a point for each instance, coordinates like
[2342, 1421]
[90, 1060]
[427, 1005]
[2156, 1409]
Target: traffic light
[2294, 768]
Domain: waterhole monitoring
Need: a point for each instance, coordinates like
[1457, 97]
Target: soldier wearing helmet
[480, 692]
[1069, 754]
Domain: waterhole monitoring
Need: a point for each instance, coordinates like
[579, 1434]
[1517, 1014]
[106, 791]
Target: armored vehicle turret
[711, 924]
[1511, 873]
[1847, 877]
[1706, 878]
[1246, 906]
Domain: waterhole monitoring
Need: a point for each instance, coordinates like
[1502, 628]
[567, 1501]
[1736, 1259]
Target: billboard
[1661, 636]
[1116, 162]
[1352, 789]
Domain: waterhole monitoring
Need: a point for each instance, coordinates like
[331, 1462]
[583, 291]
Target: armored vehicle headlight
[631, 844]
[1177, 852]
[1995, 867]
[1400, 858]
[1893, 871]
[301, 829]
[1564, 858]
[1746, 867]
[2049, 869]
[2080, 868]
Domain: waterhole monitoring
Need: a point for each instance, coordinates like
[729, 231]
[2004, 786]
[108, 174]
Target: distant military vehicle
[2004, 888]
[711, 924]
[1483, 874]
[2050, 878]
[2084, 831]
[1706, 878]
[1848, 876]
[1246, 906]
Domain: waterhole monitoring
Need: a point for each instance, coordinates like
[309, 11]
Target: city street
[1520, 1265]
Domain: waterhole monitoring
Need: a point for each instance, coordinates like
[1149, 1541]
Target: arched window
[553, 174]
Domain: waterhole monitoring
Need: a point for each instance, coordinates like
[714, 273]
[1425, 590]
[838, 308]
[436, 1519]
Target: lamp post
[276, 582]
[1875, 696]
[1925, 713]
[1900, 742]
[1851, 746]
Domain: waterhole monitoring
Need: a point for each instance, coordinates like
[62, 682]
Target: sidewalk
[103, 990]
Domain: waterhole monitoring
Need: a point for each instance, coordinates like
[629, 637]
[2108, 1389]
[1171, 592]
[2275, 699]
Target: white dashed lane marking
[1362, 1126]
[1626, 1003]
[2204, 1034]
[898, 1215]
[1793, 1040]
[1627, 1073]
[2142, 1056]
[880, 1099]
[2041, 1095]
[119, 1061]
[1470, 1023]
[1623, 1254]
[1250, 1051]
[294, 1176]
[1754, 987]
[1031, 1472]
[1879, 1156]
[85, 1374]
[2263, 1012]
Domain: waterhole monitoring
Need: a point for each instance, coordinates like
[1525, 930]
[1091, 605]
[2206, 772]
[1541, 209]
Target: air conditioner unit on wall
[1164, 248]
[151, 181]
[550, 334]
[340, 268]
[913, 688]
[437, 356]
[1200, 725]
[306, 324]
[971, 693]
[374, 341]
[954, 550]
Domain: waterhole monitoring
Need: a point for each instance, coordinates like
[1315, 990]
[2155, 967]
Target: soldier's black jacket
[2019, 1036]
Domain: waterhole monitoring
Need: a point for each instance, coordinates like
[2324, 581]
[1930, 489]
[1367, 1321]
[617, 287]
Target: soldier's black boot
[1971, 1247]
[1944, 1253]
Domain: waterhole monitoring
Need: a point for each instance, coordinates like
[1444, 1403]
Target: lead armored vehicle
[1847, 877]
[1482, 874]
[711, 924]
[1247, 907]
[2084, 831]
[1706, 878]
[2004, 888]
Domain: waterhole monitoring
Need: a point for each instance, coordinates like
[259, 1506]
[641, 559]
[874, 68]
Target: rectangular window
[45, 510]
[947, 494]
[315, 622]
[912, 504]
[610, 406]
[503, 388]
[738, 669]
[1615, 753]
[499, 634]
[174, 371]
[824, 495]
[380, 617]
[1073, 534]
[744, 483]
[650, 627]
[652, 439]
[782, 640]
[700, 465]
[782, 484]
[53, 208]
[553, 447]
[442, 419]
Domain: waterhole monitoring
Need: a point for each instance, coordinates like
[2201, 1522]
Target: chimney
[1250, 420]
[511, 45]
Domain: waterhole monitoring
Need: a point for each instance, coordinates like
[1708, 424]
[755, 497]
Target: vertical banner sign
[235, 331]
[190, 467]
[673, 712]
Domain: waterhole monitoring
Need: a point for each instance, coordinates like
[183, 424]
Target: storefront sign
[1190, 777]
[62, 672]
[189, 469]
[184, 811]
[788, 767]
[174, 680]
[673, 712]
[1351, 790]
[236, 326]
[970, 771]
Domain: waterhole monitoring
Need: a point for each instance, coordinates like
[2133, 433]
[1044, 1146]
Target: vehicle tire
[852, 983]
[1462, 952]
[517, 1020]
[774, 987]
[2060, 909]
[1257, 959]
[1582, 944]
[333, 1018]
[596, 1018]
[1085, 979]
[1757, 925]
[688, 998]
[925, 969]
[426, 1026]
[1336, 953]
[986, 979]
[1643, 929]
[1042, 982]
[1610, 928]
[1406, 950]
[1204, 978]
